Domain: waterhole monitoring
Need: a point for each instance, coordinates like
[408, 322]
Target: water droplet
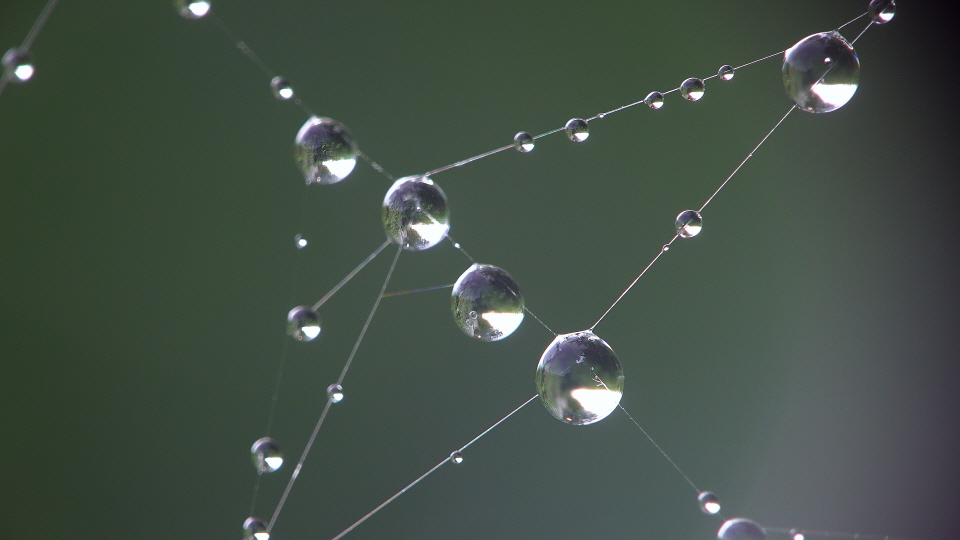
[486, 303]
[740, 529]
[692, 89]
[821, 72]
[266, 455]
[300, 241]
[796, 534]
[882, 11]
[726, 72]
[579, 378]
[325, 151]
[415, 213]
[523, 142]
[654, 100]
[665, 248]
[17, 65]
[303, 323]
[709, 502]
[192, 9]
[456, 245]
[255, 529]
[689, 224]
[577, 130]
[335, 393]
[456, 457]
[281, 88]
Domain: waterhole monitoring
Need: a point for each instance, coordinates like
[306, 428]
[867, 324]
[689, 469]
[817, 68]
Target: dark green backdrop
[799, 357]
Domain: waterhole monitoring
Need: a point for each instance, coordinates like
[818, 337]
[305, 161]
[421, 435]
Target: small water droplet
[456, 457]
[456, 245]
[300, 241]
[325, 151]
[709, 502]
[577, 130]
[335, 393]
[741, 529]
[692, 89]
[689, 223]
[882, 11]
[523, 142]
[654, 100]
[601, 115]
[17, 65]
[726, 72]
[266, 455]
[665, 248]
[192, 9]
[303, 323]
[281, 88]
[255, 529]
[796, 534]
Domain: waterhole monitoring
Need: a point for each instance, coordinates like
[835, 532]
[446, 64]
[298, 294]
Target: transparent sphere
[577, 130]
[456, 458]
[281, 88]
[821, 72]
[255, 529]
[740, 529]
[654, 100]
[300, 241]
[709, 502]
[725, 72]
[692, 89]
[335, 393]
[882, 11]
[523, 142]
[579, 378]
[415, 213]
[303, 324]
[689, 224]
[325, 151]
[486, 303]
[17, 65]
[266, 455]
[192, 9]
[796, 534]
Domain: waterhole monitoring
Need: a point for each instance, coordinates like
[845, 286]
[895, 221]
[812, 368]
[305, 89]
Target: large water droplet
[577, 130]
[17, 65]
[821, 72]
[335, 393]
[486, 303]
[725, 72]
[709, 502]
[255, 529]
[303, 324]
[654, 100]
[456, 458]
[740, 529]
[523, 142]
[192, 9]
[692, 89]
[579, 378]
[281, 88]
[415, 213]
[689, 224]
[325, 151]
[882, 11]
[266, 455]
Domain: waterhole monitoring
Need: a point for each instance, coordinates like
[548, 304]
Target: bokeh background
[799, 357]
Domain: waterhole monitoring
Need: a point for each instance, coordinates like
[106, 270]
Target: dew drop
[665, 248]
[654, 100]
[692, 89]
[709, 502]
[821, 72]
[740, 529]
[456, 458]
[796, 534]
[192, 9]
[577, 130]
[882, 11]
[266, 455]
[579, 378]
[17, 65]
[415, 213]
[486, 303]
[300, 241]
[335, 393]
[325, 151]
[255, 529]
[689, 224]
[726, 72]
[303, 323]
[523, 142]
[281, 88]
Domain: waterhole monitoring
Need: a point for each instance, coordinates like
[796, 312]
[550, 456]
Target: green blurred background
[799, 357]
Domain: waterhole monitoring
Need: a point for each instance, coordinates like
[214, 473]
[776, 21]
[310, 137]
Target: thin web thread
[829, 534]
[657, 446]
[428, 473]
[349, 276]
